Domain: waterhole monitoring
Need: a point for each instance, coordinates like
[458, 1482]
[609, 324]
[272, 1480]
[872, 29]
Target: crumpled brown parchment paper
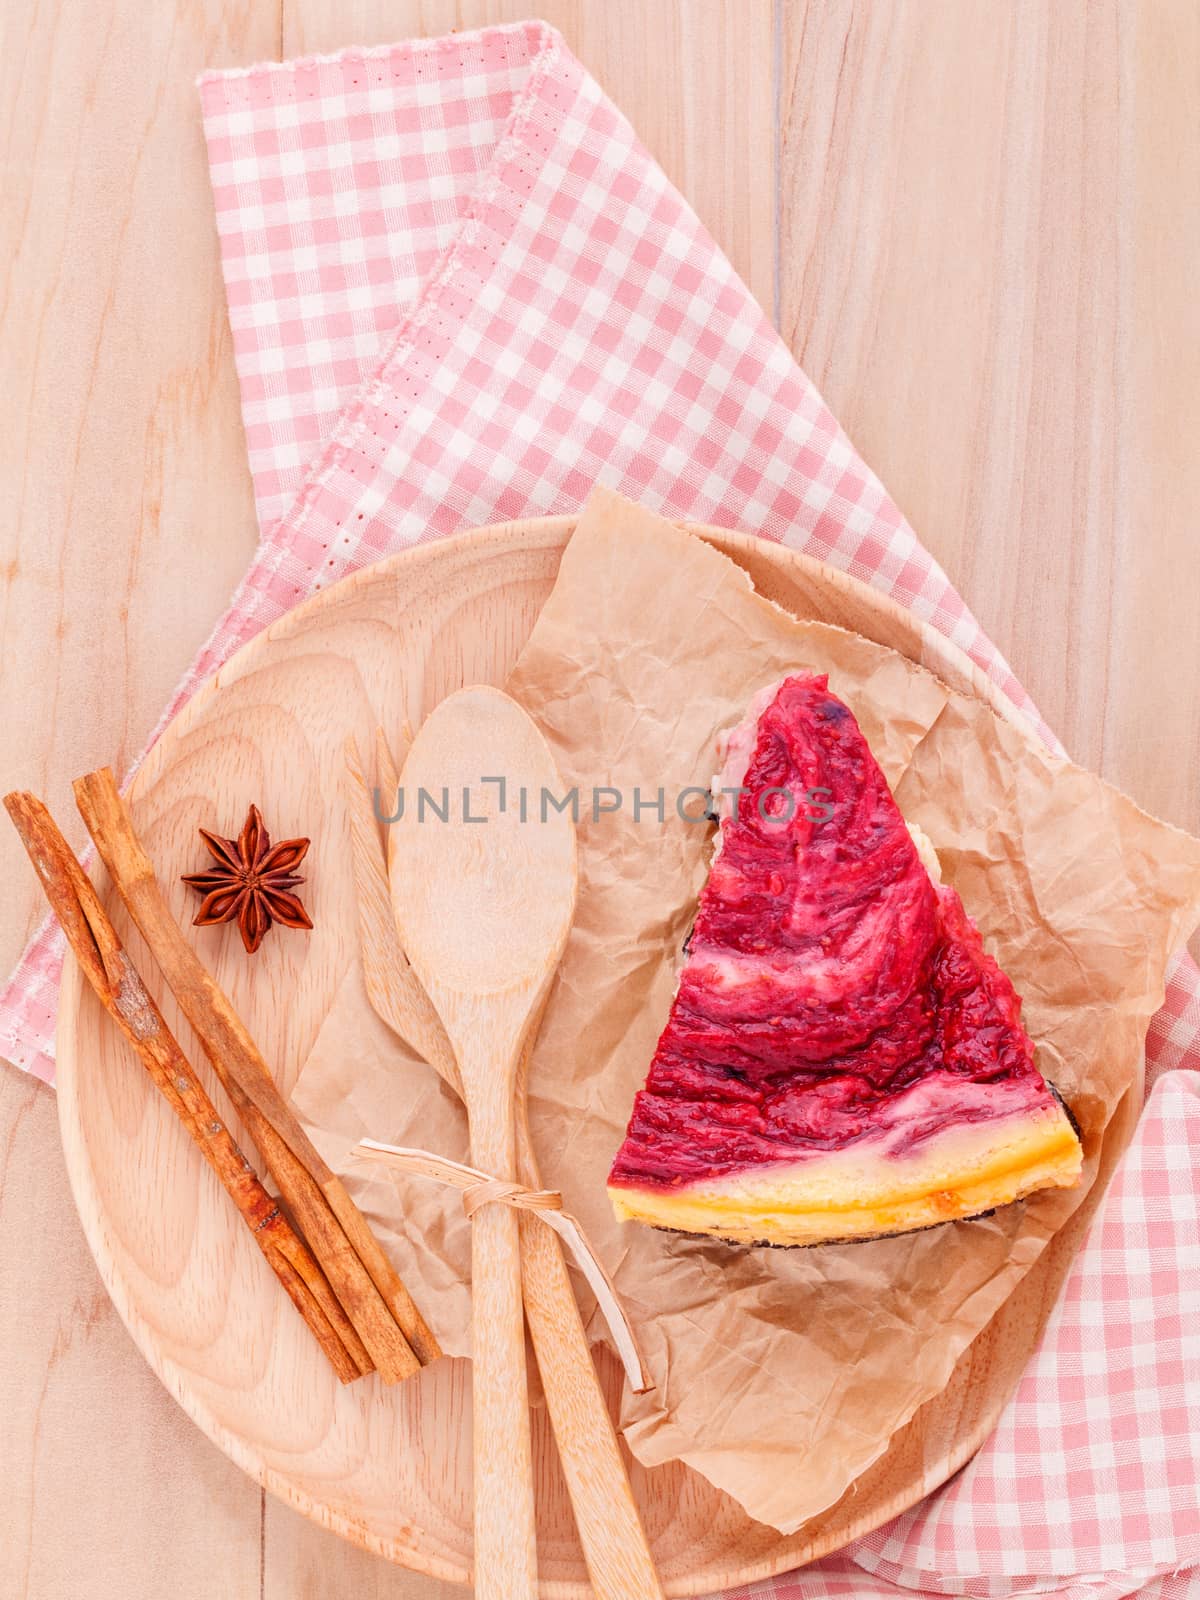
[780, 1375]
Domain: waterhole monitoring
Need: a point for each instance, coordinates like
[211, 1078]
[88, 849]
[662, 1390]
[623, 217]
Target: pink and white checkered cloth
[461, 292]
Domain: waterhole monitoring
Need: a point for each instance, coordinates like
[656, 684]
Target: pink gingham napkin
[460, 292]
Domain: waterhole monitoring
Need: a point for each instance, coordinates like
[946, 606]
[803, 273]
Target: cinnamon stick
[107, 967]
[368, 1286]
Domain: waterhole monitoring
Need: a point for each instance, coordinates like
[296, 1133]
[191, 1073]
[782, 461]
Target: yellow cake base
[863, 1193]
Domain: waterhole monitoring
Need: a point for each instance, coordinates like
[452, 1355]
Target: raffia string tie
[481, 1189]
[494, 1191]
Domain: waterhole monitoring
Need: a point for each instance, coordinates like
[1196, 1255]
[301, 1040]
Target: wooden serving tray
[391, 1468]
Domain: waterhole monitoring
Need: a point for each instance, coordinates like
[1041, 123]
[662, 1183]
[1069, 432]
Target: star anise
[252, 882]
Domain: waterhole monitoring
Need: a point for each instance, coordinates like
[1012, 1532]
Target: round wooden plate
[390, 1468]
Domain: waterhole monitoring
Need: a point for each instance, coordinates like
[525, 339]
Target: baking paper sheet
[780, 1375]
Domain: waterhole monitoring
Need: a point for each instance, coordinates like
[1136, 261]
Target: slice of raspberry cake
[842, 1059]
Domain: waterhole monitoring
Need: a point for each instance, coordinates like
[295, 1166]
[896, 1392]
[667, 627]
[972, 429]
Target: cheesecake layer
[886, 1182]
[842, 1057]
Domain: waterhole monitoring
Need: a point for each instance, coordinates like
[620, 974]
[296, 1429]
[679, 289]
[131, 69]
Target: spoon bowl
[486, 888]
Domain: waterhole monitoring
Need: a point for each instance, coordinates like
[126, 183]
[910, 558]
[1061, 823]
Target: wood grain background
[977, 223]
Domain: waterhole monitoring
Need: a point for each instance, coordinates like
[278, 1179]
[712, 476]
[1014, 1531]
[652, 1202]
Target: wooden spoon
[484, 901]
[614, 1541]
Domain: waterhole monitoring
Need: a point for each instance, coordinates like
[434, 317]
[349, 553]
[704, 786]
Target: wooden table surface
[977, 223]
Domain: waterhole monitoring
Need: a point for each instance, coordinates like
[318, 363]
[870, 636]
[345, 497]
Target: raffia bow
[482, 1189]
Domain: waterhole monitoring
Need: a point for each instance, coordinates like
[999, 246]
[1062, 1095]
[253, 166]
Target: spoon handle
[505, 1542]
[614, 1542]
